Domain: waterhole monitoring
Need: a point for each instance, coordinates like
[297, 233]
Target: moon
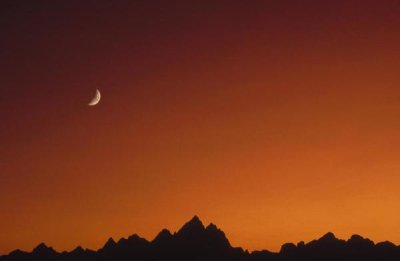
[96, 99]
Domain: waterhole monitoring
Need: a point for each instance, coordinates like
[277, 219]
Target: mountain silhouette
[195, 242]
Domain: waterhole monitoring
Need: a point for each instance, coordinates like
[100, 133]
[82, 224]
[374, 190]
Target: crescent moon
[96, 99]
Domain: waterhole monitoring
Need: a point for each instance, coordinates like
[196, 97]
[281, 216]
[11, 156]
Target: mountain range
[195, 242]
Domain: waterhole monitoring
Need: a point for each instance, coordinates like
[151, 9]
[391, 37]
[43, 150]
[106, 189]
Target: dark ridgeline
[194, 242]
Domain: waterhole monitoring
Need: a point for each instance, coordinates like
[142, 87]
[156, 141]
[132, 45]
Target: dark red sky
[277, 120]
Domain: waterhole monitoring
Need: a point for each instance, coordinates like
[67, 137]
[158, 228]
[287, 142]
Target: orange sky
[275, 120]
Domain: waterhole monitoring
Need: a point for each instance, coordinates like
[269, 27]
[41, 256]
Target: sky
[276, 120]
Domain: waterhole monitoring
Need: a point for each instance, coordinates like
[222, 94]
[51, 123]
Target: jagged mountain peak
[164, 235]
[136, 237]
[193, 226]
[78, 250]
[212, 227]
[358, 241]
[109, 244]
[328, 237]
[195, 221]
[43, 249]
[41, 246]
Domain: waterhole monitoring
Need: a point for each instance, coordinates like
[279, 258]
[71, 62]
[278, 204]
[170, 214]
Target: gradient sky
[276, 120]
